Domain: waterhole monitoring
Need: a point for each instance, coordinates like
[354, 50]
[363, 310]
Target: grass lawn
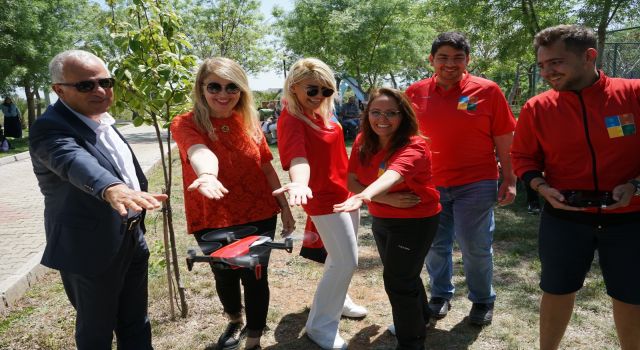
[43, 319]
[17, 145]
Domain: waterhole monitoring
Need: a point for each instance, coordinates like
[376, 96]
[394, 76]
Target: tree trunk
[393, 81]
[602, 30]
[514, 89]
[169, 233]
[38, 102]
[30, 103]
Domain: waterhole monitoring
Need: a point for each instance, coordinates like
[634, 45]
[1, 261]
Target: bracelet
[537, 188]
[212, 174]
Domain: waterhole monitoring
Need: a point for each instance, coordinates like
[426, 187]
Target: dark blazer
[83, 232]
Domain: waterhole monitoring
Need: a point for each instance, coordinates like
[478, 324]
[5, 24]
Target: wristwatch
[636, 183]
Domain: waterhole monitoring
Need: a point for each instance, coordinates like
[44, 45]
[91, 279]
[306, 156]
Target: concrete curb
[14, 288]
[14, 158]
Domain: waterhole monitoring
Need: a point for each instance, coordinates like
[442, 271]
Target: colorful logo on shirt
[620, 125]
[382, 168]
[467, 103]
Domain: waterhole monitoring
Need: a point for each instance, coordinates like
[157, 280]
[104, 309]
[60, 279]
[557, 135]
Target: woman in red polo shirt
[228, 179]
[312, 149]
[390, 157]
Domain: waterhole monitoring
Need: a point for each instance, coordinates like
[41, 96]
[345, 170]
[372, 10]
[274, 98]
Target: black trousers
[115, 300]
[256, 291]
[403, 245]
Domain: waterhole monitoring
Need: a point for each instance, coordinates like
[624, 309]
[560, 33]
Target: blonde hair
[309, 69]
[230, 70]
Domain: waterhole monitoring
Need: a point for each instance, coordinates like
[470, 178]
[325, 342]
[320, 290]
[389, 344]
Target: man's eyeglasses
[215, 88]
[388, 114]
[313, 91]
[89, 85]
[447, 59]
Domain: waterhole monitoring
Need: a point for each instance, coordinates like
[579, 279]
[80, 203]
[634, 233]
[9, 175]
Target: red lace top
[240, 160]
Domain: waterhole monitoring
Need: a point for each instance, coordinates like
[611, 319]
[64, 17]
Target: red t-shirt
[240, 161]
[326, 153]
[413, 162]
[461, 123]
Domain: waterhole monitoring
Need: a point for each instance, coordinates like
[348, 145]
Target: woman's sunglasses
[89, 85]
[313, 91]
[215, 88]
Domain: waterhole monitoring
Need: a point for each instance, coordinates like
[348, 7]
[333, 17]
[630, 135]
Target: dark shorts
[567, 249]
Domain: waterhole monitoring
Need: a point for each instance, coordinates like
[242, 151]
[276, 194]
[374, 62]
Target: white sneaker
[337, 343]
[351, 309]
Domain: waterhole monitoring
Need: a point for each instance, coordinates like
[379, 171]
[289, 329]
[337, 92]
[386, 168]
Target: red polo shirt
[326, 153]
[461, 123]
[413, 163]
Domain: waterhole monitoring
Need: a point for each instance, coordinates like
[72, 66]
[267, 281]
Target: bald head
[78, 57]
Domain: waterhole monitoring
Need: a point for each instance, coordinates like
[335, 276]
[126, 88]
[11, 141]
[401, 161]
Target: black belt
[132, 222]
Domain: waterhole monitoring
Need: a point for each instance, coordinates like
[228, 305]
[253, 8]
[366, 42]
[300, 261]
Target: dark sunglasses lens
[85, 86]
[214, 88]
[312, 92]
[327, 92]
[106, 83]
[232, 89]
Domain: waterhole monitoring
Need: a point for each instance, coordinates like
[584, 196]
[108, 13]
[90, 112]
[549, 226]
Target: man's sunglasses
[89, 85]
[215, 88]
[313, 90]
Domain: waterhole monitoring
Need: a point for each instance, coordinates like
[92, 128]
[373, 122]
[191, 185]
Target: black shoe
[481, 314]
[533, 208]
[439, 307]
[232, 336]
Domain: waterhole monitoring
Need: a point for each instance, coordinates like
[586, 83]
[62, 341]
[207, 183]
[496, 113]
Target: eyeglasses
[388, 114]
[447, 59]
[89, 85]
[313, 91]
[215, 88]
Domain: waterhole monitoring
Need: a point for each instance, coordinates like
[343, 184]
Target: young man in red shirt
[468, 121]
[577, 146]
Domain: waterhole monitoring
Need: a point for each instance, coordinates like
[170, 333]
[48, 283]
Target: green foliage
[32, 32]
[153, 70]
[369, 40]
[234, 29]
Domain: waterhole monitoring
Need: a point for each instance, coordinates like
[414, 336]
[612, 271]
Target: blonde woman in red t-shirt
[312, 149]
[390, 170]
[228, 179]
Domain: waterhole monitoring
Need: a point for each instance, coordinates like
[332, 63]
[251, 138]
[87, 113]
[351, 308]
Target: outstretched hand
[298, 193]
[209, 186]
[352, 203]
[121, 198]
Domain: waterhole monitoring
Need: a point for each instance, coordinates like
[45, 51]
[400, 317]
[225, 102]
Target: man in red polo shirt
[577, 145]
[468, 121]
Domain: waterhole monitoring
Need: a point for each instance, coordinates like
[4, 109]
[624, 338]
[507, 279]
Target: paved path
[22, 237]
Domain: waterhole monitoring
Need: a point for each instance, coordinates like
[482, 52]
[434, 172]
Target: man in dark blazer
[95, 201]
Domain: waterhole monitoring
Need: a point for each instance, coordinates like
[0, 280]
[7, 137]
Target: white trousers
[338, 233]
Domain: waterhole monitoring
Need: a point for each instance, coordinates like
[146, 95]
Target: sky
[270, 79]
